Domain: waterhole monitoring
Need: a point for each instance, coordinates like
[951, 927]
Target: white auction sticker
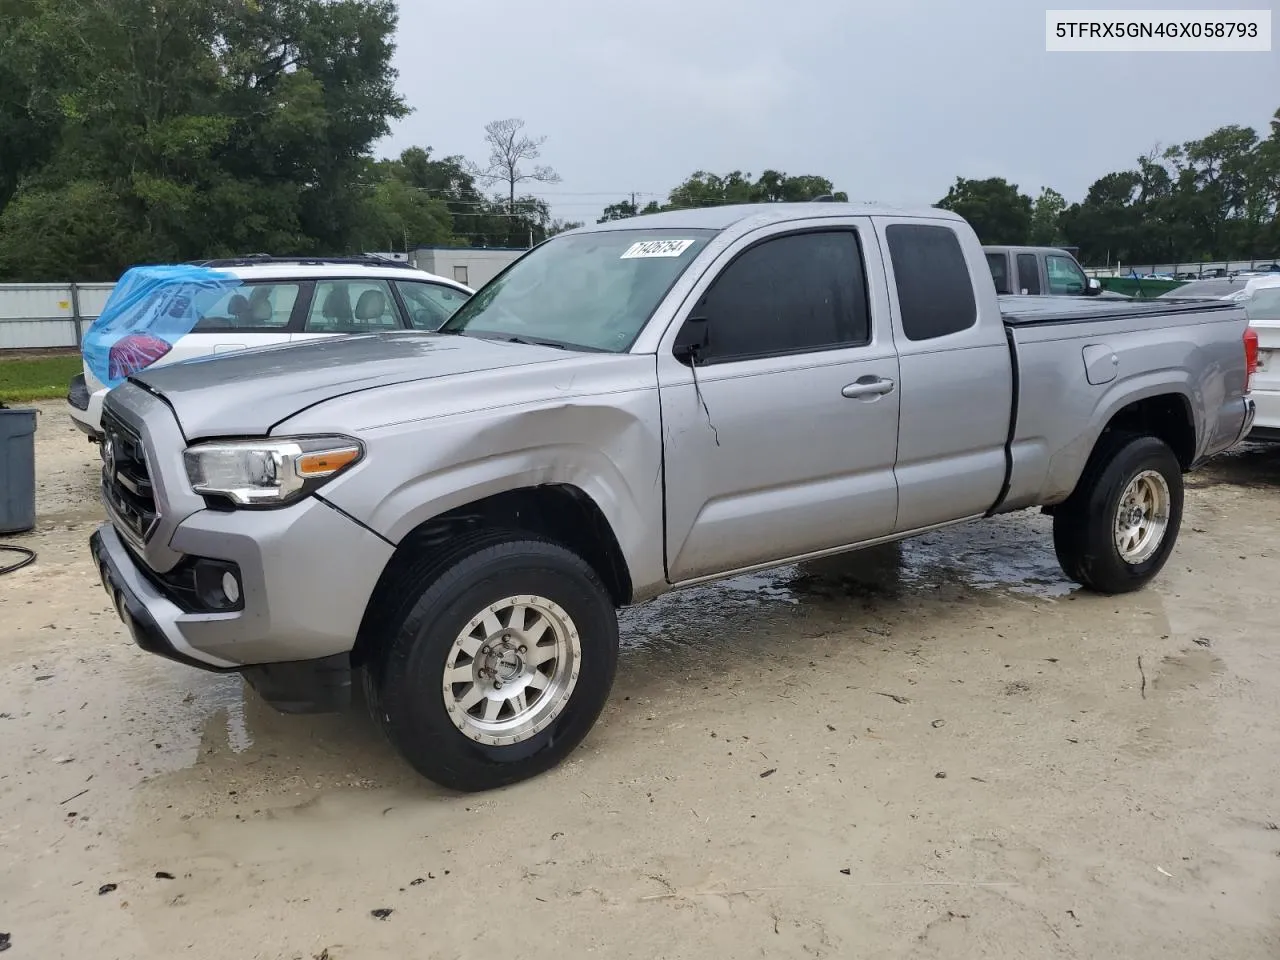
[656, 248]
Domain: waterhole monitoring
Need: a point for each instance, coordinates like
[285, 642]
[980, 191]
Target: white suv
[283, 300]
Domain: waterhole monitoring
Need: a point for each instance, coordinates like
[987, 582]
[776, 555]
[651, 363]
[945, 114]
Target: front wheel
[1116, 531]
[499, 666]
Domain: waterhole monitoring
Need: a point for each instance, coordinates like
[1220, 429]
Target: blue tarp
[157, 304]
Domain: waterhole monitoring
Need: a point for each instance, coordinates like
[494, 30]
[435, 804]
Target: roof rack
[262, 259]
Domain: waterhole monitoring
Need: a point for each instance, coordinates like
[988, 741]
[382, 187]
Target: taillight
[133, 353]
[1250, 357]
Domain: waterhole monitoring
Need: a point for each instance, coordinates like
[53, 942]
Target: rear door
[780, 440]
[350, 305]
[956, 392]
[253, 314]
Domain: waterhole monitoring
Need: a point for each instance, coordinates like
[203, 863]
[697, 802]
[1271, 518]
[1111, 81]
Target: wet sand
[938, 749]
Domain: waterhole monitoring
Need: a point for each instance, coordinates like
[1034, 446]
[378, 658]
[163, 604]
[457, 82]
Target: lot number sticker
[656, 248]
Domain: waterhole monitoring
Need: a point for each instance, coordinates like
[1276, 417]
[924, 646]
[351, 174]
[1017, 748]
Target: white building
[473, 266]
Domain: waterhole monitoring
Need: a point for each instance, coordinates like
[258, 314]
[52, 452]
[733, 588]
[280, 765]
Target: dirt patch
[1090, 806]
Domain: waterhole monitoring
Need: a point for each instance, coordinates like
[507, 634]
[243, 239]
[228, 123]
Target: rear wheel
[1116, 531]
[499, 663]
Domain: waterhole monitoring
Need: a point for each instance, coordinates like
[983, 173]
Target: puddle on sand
[1012, 555]
[205, 716]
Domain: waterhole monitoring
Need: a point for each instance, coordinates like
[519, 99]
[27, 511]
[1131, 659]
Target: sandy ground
[938, 750]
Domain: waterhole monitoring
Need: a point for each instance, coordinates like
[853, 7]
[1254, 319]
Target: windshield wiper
[533, 343]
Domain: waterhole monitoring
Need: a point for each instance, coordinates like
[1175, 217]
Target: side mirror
[692, 340]
[1093, 287]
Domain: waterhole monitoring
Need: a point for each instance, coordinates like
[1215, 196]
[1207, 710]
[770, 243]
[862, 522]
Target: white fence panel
[42, 315]
[93, 297]
[36, 334]
[35, 301]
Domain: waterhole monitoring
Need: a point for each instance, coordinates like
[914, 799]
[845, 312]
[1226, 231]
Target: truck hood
[248, 392]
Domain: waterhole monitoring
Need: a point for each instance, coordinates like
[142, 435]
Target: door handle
[867, 387]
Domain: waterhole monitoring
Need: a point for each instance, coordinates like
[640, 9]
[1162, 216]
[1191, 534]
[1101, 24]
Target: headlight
[268, 472]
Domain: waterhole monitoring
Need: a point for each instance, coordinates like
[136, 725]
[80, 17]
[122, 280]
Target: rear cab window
[935, 291]
[999, 265]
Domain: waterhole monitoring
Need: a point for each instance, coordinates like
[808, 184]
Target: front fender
[607, 447]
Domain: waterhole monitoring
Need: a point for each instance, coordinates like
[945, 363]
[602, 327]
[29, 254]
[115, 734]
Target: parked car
[281, 300]
[1038, 271]
[1259, 294]
[1240, 287]
[630, 408]
[1262, 305]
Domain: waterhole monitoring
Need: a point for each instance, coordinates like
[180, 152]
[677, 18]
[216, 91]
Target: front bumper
[142, 607]
[306, 573]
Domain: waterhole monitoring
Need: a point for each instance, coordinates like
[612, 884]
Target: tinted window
[429, 304]
[352, 306]
[250, 307]
[1028, 274]
[787, 295]
[935, 293]
[999, 264]
[594, 290]
[1065, 277]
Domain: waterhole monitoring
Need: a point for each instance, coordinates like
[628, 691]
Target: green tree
[203, 126]
[1046, 212]
[622, 210]
[996, 210]
[703, 189]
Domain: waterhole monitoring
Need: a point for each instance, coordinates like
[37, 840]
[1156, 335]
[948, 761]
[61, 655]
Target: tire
[1085, 526]
[430, 634]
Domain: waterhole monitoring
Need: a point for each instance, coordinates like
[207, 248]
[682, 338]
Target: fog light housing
[217, 585]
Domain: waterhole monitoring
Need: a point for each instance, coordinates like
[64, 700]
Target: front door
[780, 434]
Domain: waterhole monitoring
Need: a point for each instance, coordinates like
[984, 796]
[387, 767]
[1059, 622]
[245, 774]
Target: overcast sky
[891, 100]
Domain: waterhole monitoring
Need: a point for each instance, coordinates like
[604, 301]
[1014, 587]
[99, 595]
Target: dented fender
[540, 426]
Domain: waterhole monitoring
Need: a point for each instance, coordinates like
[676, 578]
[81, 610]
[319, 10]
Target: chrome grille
[126, 481]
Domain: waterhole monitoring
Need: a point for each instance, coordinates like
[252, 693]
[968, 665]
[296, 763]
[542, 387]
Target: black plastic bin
[17, 470]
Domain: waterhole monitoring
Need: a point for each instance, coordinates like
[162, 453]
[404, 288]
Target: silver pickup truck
[630, 408]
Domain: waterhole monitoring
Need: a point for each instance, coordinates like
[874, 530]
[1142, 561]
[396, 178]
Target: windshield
[588, 291]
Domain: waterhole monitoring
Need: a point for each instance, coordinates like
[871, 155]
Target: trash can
[17, 470]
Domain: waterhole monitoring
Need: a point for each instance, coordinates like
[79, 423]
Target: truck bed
[1078, 361]
[1019, 311]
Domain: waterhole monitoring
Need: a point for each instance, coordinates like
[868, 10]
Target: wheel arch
[559, 512]
[1164, 413]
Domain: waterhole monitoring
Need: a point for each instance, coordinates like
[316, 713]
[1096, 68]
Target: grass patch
[23, 379]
